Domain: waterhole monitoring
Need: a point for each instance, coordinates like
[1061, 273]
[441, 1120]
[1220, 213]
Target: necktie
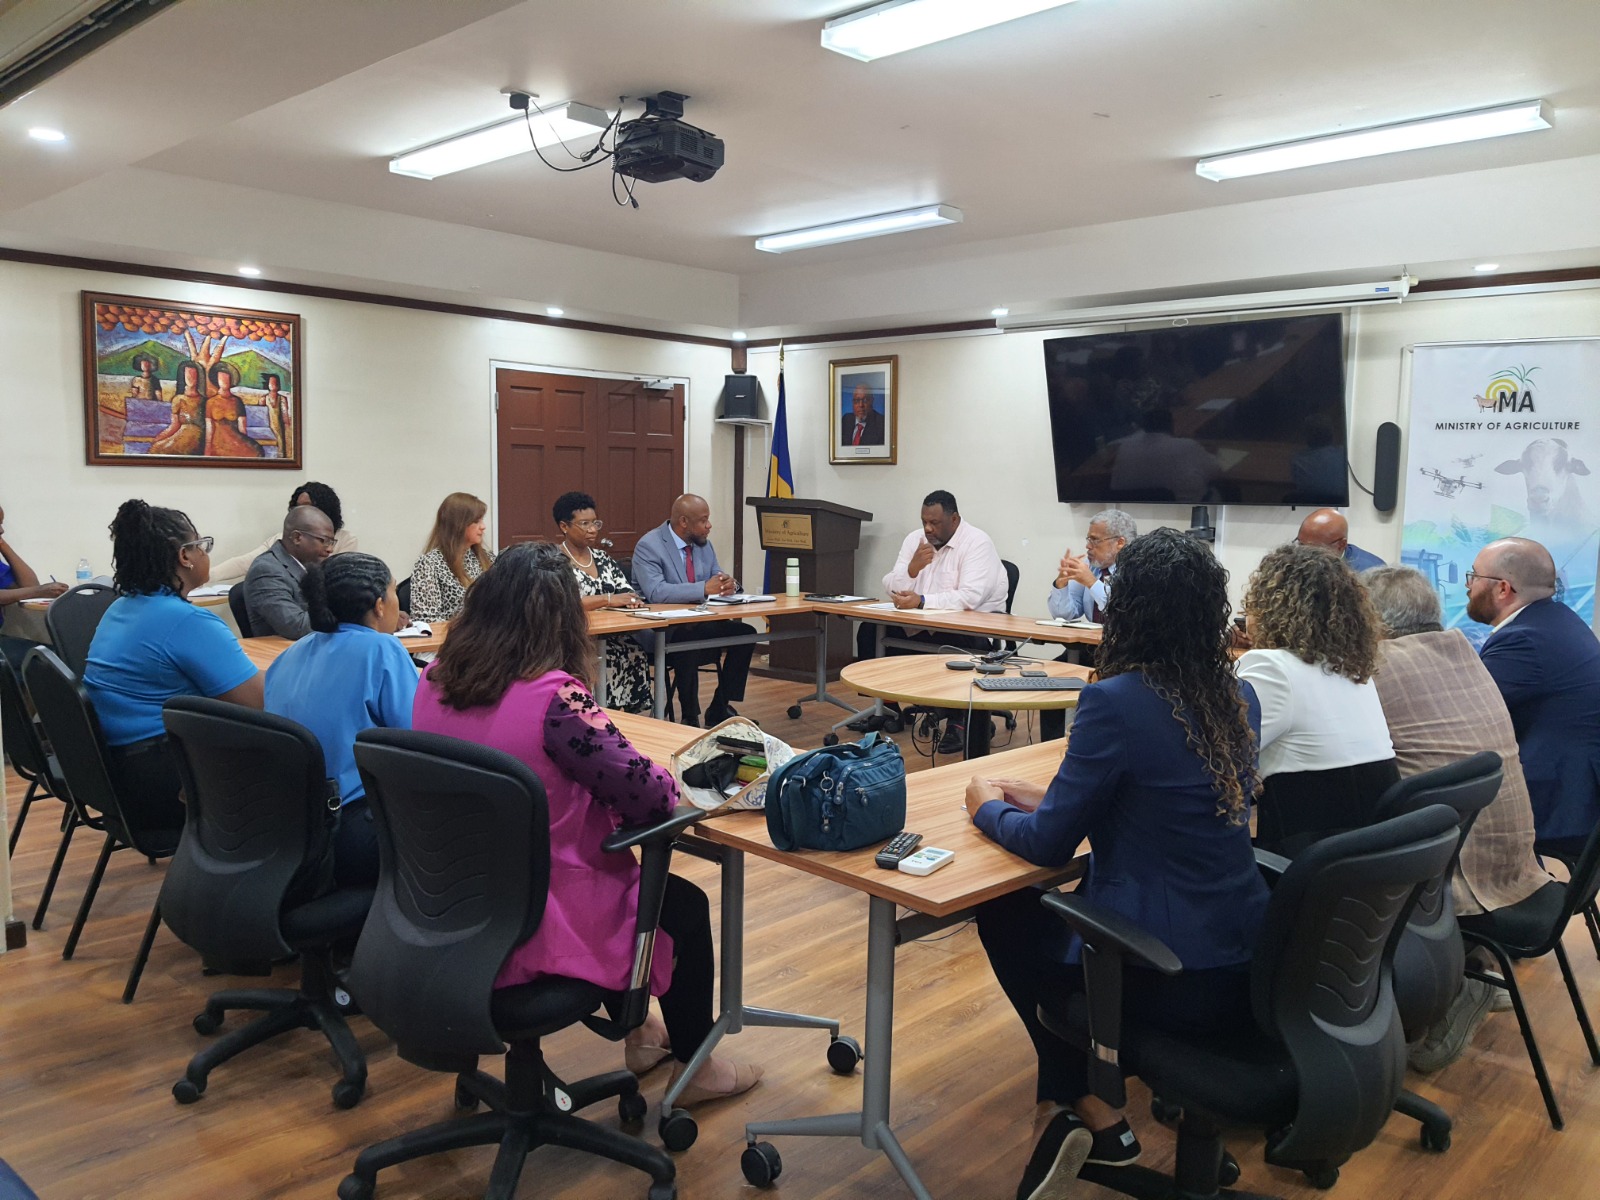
[860, 429]
[688, 563]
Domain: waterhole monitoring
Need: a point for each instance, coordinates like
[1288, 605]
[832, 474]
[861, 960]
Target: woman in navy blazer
[1158, 775]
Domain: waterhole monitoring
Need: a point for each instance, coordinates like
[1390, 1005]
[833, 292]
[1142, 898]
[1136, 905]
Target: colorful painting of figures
[190, 385]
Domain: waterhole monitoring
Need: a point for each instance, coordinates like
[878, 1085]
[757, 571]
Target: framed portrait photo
[190, 385]
[864, 409]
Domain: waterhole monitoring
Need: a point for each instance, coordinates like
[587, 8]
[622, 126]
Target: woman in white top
[319, 495]
[1326, 756]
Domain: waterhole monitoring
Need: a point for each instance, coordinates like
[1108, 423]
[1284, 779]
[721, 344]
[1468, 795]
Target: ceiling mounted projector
[660, 145]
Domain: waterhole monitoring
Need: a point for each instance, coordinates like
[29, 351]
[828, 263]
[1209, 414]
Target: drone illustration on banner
[1449, 486]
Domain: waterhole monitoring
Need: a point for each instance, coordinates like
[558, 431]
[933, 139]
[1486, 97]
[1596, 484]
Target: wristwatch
[922, 602]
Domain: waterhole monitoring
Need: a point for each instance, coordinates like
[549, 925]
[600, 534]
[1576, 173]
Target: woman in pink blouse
[513, 675]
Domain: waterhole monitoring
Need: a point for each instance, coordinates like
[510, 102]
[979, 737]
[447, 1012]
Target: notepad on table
[415, 630]
[1074, 623]
[211, 589]
[741, 599]
[888, 606]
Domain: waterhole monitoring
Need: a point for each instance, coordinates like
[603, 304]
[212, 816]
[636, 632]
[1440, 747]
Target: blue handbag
[839, 797]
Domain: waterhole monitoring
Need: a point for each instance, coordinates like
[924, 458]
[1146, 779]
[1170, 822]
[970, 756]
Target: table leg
[600, 670]
[661, 674]
[980, 732]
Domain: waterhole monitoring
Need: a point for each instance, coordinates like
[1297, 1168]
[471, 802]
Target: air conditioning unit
[1343, 295]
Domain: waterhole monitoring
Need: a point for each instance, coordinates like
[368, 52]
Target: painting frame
[225, 347]
[879, 442]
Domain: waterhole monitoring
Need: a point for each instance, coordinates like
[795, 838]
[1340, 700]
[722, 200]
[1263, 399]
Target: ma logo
[1509, 391]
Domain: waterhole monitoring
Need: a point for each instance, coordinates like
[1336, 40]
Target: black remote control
[901, 845]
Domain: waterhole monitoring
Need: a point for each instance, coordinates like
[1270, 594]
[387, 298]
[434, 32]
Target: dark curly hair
[144, 547]
[1306, 600]
[323, 497]
[569, 505]
[522, 619]
[343, 589]
[1167, 619]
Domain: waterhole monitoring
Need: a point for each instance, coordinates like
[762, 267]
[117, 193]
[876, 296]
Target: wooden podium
[824, 537]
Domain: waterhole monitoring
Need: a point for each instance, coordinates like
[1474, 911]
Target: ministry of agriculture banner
[1502, 439]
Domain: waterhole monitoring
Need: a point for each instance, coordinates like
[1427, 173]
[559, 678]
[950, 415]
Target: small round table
[923, 679]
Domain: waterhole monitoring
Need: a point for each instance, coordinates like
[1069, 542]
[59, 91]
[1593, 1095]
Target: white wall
[398, 412]
[974, 419]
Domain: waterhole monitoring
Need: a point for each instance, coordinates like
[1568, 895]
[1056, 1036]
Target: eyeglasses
[1091, 540]
[595, 523]
[317, 537]
[1473, 576]
[202, 544]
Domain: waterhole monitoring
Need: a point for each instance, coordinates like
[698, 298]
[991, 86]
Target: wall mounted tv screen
[1250, 412]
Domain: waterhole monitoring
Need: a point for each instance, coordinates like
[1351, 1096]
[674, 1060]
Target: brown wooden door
[613, 438]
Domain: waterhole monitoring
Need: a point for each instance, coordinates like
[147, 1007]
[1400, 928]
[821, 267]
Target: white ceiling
[1070, 120]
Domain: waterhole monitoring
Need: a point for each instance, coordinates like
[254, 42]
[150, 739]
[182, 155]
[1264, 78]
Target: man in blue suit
[1546, 663]
[675, 563]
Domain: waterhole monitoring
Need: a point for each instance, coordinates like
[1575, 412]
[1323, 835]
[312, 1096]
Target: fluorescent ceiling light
[1473, 126]
[250, 271]
[40, 134]
[860, 227]
[563, 122]
[556, 312]
[886, 29]
[1485, 268]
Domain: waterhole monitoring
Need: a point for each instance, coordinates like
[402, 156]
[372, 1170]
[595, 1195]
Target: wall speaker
[741, 398]
[1386, 467]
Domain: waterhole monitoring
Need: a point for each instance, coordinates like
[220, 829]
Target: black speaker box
[1386, 467]
[741, 398]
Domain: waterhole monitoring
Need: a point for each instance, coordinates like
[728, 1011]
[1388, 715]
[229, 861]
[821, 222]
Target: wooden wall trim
[863, 335]
[1517, 279]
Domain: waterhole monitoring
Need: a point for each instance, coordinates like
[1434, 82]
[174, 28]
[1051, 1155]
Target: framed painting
[190, 385]
[864, 411]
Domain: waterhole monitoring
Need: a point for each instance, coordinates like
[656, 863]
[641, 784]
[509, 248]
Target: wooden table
[264, 651]
[982, 624]
[39, 603]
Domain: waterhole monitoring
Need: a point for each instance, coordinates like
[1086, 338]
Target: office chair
[1429, 958]
[241, 611]
[446, 915]
[72, 619]
[1532, 929]
[25, 747]
[69, 721]
[402, 592]
[1591, 913]
[251, 879]
[1321, 1064]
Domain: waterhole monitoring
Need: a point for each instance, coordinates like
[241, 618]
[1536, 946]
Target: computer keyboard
[1016, 683]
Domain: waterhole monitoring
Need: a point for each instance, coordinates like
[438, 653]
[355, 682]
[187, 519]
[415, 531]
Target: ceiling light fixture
[40, 134]
[1527, 117]
[503, 139]
[739, 335]
[860, 227]
[556, 312]
[1485, 268]
[250, 271]
[886, 29]
[999, 312]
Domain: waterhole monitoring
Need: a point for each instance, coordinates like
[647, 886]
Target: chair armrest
[655, 843]
[1272, 865]
[665, 829]
[1107, 931]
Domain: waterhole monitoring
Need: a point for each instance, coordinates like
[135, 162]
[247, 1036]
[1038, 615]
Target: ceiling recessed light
[738, 335]
[562, 122]
[886, 29]
[40, 134]
[999, 312]
[1486, 267]
[250, 271]
[1527, 117]
[860, 227]
[556, 312]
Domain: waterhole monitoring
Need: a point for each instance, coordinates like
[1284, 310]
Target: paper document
[415, 630]
[1075, 623]
[740, 599]
[836, 599]
[888, 606]
[667, 613]
[212, 589]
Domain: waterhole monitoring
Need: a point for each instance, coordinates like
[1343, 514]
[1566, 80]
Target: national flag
[780, 475]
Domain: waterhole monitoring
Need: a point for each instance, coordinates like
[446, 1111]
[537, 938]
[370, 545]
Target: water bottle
[84, 572]
[791, 577]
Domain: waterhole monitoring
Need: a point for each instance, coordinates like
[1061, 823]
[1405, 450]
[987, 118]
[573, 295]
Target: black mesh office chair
[1321, 1064]
[1429, 957]
[250, 881]
[1532, 929]
[241, 611]
[446, 915]
[72, 619]
[402, 592]
[69, 722]
[24, 746]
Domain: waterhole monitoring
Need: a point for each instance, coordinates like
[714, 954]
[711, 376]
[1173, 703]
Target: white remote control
[926, 861]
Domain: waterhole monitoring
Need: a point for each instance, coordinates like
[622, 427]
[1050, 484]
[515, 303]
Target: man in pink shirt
[948, 563]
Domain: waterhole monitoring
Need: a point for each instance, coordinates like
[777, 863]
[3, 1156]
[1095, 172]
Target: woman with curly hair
[1326, 756]
[317, 495]
[1159, 776]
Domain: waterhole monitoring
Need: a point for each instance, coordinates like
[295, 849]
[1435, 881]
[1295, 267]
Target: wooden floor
[86, 1109]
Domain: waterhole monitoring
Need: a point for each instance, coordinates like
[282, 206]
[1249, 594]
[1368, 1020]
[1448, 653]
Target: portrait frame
[880, 378]
[241, 366]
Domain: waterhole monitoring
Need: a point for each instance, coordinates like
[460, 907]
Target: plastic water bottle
[84, 572]
[791, 577]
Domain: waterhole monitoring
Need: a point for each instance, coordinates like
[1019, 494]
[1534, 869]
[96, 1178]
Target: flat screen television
[1247, 412]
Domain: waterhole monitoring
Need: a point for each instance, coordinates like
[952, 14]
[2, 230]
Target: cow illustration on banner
[1502, 435]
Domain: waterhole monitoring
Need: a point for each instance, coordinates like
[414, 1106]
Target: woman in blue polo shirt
[350, 673]
[151, 645]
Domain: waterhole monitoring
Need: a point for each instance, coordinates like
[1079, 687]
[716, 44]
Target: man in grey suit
[272, 596]
[675, 563]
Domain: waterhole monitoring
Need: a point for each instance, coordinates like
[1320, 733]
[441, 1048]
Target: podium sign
[786, 531]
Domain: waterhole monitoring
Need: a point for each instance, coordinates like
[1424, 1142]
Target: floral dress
[627, 667]
[436, 594]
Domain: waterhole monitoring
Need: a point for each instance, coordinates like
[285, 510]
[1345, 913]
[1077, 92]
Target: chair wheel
[466, 1101]
[1164, 1113]
[761, 1164]
[1228, 1170]
[678, 1130]
[892, 723]
[843, 1054]
[794, 712]
[1435, 1137]
[1322, 1177]
[830, 739]
[185, 1091]
[353, 1187]
[347, 1094]
[206, 1024]
[631, 1108]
